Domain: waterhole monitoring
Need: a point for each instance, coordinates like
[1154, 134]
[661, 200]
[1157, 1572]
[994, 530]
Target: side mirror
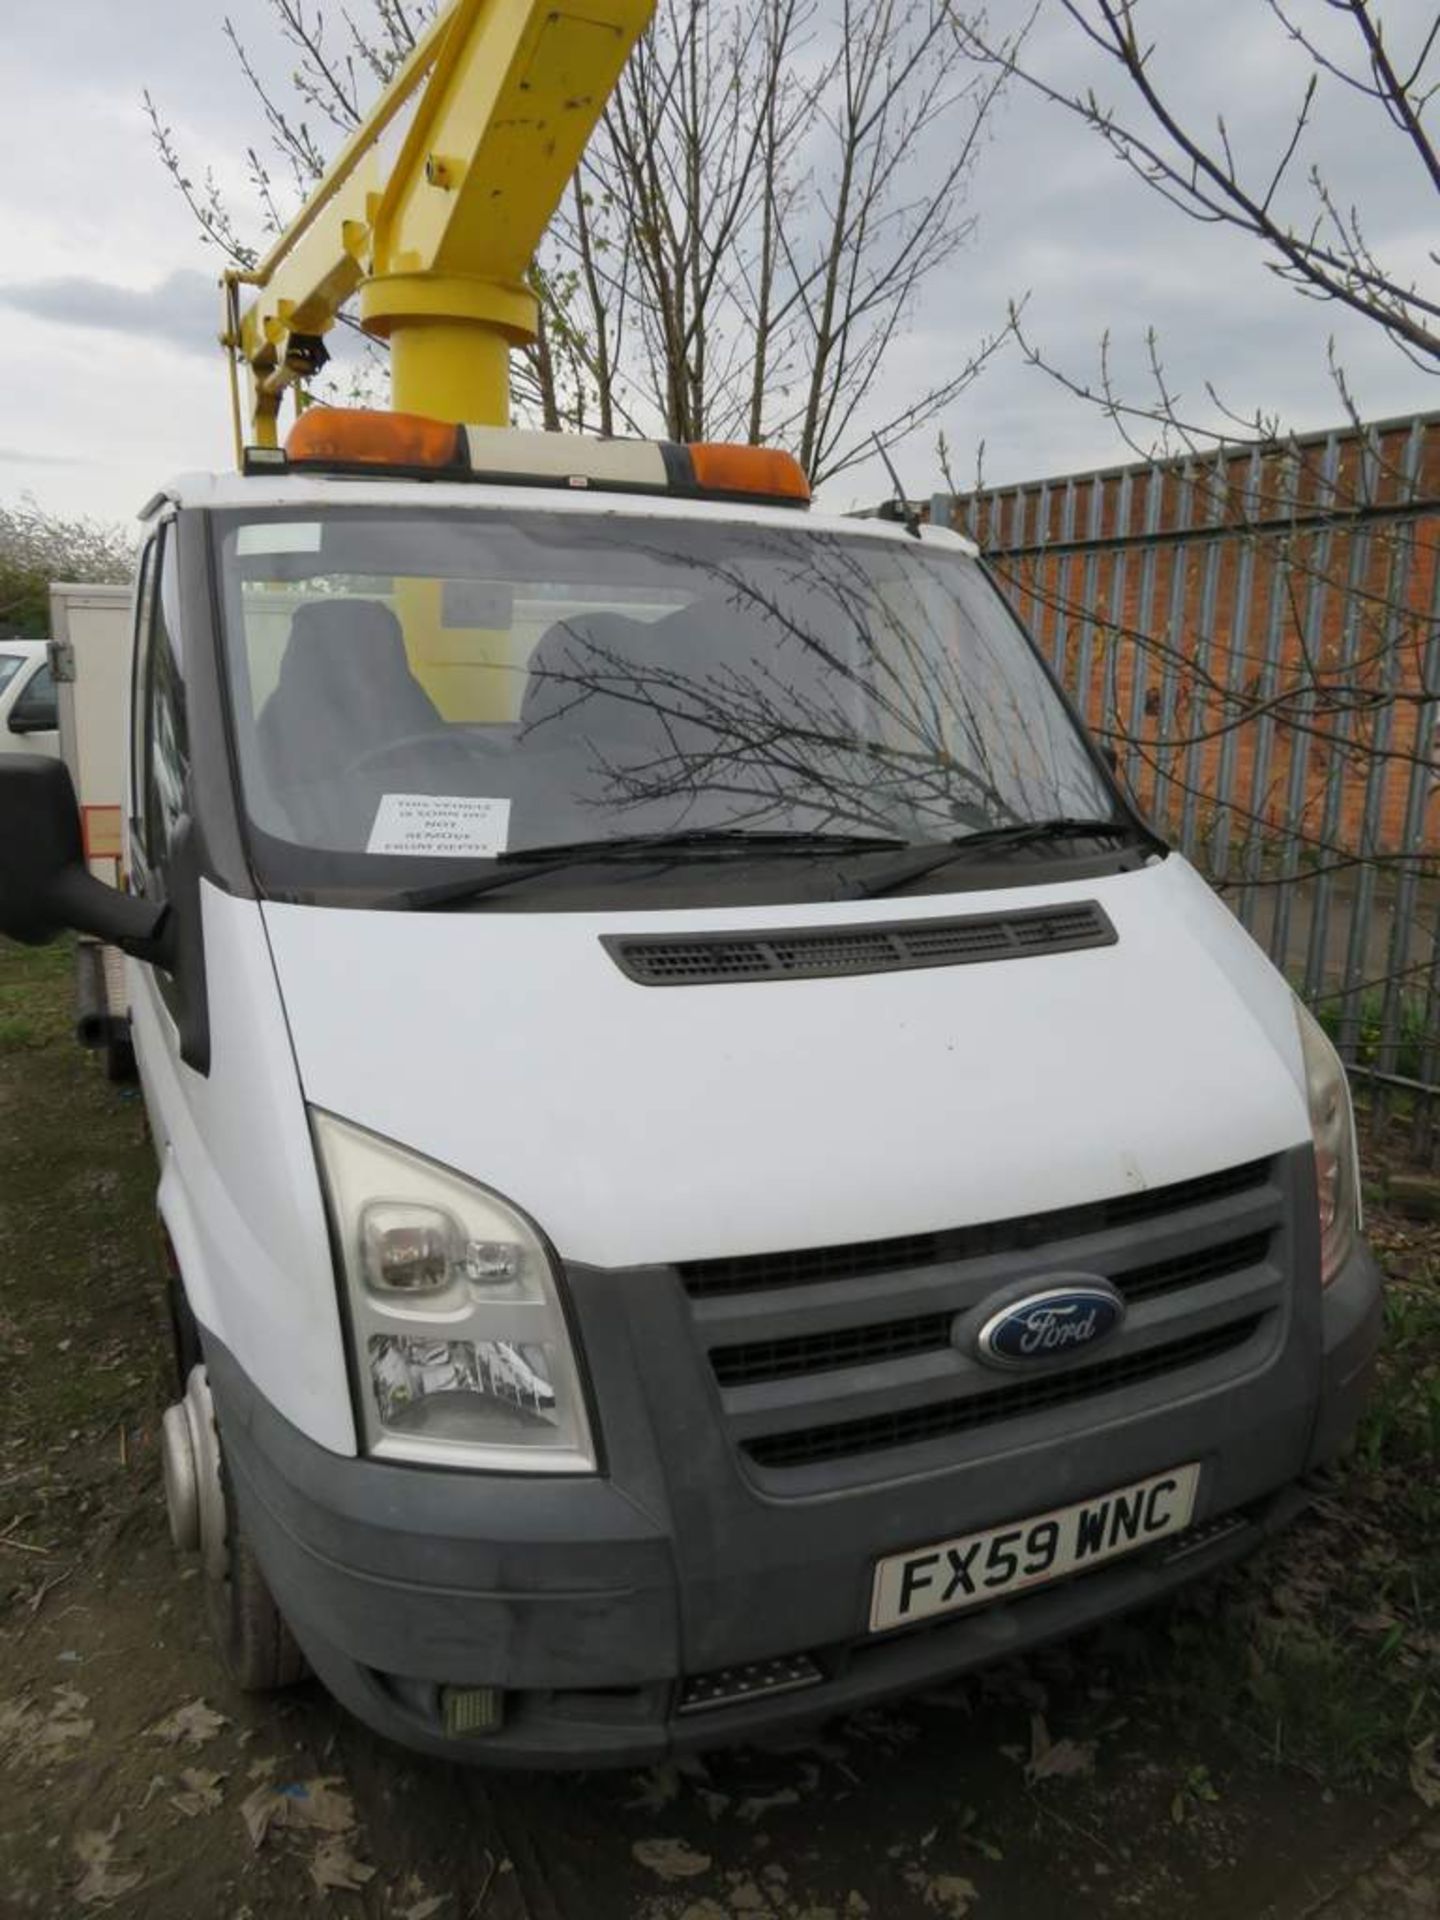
[45, 885]
[22, 721]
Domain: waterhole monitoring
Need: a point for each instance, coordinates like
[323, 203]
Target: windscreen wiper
[525, 863]
[1019, 833]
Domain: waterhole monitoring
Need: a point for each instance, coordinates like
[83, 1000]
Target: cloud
[33, 457]
[1058, 215]
[181, 311]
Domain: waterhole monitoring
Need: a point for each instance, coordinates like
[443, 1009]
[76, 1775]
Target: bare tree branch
[1330, 257]
[745, 242]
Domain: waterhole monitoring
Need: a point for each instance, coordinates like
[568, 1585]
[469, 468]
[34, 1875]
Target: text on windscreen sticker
[433, 824]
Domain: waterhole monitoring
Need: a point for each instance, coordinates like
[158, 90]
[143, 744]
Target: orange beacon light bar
[357, 440]
[354, 437]
[722, 468]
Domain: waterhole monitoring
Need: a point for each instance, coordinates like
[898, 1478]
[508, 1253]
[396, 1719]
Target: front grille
[1190, 1269]
[754, 1273]
[755, 1360]
[811, 953]
[804, 1446]
[823, 1360]
[822, 1352]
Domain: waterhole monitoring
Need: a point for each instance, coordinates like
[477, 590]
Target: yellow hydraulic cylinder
[450, 370]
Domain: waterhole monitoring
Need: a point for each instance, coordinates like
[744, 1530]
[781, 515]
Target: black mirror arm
[139, 926]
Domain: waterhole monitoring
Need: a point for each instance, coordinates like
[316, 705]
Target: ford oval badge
[1070, 1316]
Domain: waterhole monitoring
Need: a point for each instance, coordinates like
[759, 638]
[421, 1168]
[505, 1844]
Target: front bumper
[585, 1599]
[1352, 1321]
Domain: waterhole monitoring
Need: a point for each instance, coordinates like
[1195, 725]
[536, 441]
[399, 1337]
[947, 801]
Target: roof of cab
[308, 490]
[379, 456]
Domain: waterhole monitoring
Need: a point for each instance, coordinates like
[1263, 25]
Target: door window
[139, 685]
[36, 711]
[164, 744]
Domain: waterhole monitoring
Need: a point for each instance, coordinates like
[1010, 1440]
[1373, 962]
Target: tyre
[118, 1056]
[259, 1650]
[184, 1334]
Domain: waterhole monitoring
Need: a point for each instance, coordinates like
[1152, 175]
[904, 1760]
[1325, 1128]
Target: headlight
[460, 1340]
[1332, 1127]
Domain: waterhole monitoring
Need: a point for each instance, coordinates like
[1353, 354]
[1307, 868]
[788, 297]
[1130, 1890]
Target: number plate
[977, 1567]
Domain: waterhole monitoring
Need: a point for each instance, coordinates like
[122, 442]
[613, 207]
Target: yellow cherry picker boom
[492, 111]
[428, 220]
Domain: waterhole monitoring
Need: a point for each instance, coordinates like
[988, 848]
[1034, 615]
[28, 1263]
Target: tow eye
[190, 1460]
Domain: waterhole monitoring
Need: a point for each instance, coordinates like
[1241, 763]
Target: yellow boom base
[450, 338]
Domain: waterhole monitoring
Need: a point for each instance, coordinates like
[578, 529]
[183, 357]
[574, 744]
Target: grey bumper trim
[573, 1594]
[598, 1729]
[1352, 1320]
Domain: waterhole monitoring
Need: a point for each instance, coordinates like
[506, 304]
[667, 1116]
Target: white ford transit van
[716, 1170]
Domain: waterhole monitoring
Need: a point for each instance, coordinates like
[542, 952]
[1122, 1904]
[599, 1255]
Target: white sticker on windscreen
[440, 823]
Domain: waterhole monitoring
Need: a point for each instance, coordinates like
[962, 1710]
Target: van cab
[716, 1169]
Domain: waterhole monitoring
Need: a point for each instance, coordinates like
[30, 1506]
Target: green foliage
[1319, 1653]
[1369, 1031]
[24, 603]
[35, 989]
[1402, 1422]
[37, 547]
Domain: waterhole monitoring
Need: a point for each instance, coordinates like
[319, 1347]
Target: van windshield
[426, 687]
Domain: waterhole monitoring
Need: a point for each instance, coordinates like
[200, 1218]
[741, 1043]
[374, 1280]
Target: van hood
[638, 1124]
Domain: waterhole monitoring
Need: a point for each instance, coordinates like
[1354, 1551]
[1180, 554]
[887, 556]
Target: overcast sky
[110, 379]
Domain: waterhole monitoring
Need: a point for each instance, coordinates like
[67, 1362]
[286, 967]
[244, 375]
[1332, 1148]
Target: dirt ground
[1262, 1750]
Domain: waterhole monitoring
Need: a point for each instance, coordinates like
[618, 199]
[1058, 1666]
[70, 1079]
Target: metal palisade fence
[1255, 631]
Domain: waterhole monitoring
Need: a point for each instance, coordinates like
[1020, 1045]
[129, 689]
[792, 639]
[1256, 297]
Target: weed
[1363, 1030]
[81, 1309]
[1402, 1422]
[34, 996]
[1323, 1652]
[1196, 1791]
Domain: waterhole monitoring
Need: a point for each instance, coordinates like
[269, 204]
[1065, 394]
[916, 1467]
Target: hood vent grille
[817, 953]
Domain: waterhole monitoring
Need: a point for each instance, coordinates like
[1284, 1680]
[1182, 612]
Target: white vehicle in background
[87, 672]
[28, 721]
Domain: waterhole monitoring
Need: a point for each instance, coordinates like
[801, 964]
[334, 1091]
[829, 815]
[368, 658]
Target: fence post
[1165, 754]
[1235, 657]
[1266, 686]
[1312, 634]
[1204, 636]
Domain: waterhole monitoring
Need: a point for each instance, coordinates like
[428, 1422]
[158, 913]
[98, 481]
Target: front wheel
[258, 1648]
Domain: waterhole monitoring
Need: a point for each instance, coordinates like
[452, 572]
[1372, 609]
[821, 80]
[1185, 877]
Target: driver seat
[345, 688]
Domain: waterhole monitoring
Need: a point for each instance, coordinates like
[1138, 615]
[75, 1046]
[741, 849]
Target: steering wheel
[390, 749]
